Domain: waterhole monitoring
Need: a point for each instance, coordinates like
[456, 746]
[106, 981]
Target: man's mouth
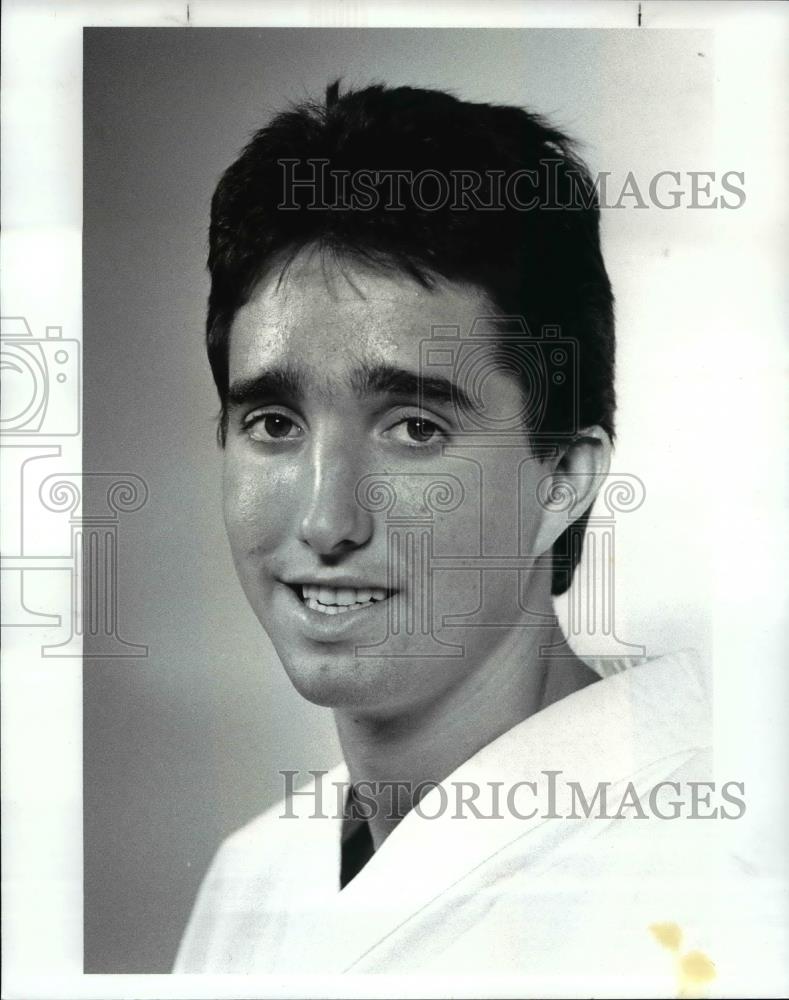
[338, 600]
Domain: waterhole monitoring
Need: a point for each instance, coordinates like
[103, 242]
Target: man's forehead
[368, 317]
[336, 289]
[338, 277]
[327, 349]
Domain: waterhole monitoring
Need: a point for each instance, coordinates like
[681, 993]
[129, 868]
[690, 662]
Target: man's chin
[346, 682]
[331, 682]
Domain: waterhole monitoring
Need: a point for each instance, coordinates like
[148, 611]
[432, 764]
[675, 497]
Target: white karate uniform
[569, 906]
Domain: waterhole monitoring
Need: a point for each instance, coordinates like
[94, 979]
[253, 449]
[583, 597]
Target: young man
[411, 331]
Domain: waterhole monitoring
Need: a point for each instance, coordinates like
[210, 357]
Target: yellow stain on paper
[694, 970]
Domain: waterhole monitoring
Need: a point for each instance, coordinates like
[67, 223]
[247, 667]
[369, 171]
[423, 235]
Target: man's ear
[569, 489]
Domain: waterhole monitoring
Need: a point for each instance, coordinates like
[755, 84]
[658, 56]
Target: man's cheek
[253, 513]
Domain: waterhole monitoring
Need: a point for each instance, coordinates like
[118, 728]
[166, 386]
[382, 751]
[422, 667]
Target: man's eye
[272, 427]
[417, 431]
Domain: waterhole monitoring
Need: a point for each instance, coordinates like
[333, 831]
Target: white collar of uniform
[634, 724]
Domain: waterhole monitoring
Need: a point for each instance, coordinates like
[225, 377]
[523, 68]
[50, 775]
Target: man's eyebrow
[366, 380]
[389, 380]
[287, 381]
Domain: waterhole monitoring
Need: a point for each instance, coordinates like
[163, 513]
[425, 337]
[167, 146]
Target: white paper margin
[41, 281]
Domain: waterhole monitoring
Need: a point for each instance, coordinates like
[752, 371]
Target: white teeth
[340, 598]
[336, 609]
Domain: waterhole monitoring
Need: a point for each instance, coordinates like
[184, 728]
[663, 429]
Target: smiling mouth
[338, 600]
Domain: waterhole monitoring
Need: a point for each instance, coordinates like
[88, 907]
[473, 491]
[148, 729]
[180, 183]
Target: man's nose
[333, 521]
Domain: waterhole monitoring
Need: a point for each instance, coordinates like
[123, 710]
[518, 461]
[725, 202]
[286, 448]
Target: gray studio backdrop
[184, 744]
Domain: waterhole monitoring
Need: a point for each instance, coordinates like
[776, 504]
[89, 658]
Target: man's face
[345, 474]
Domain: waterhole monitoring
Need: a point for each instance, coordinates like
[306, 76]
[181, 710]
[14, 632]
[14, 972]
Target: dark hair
[542, 263]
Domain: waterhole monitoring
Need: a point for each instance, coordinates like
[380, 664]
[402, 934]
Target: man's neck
[422, 748]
